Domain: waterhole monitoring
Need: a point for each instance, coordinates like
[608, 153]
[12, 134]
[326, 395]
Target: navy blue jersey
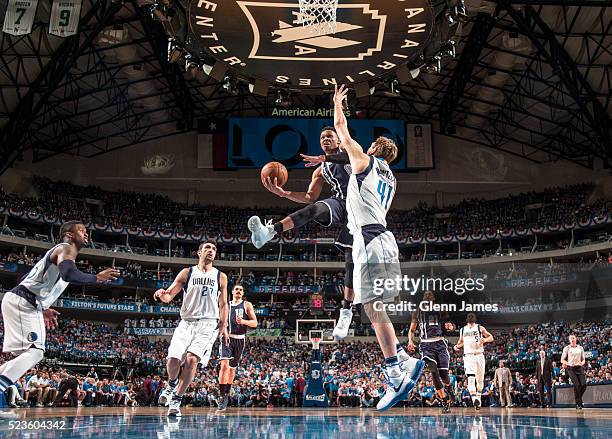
[235, 311]
[430, 325]
[337, 176]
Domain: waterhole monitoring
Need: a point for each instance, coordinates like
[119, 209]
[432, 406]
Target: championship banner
[19, 17]
[64, 20]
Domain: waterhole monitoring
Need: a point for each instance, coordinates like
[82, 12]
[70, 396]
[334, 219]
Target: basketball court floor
[151, 422]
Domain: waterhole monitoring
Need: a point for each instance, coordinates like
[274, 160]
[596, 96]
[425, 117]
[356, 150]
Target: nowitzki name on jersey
[405, 306]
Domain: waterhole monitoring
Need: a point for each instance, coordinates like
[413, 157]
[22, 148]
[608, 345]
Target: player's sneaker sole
[257, 230]
[341, 331]
[401, 393]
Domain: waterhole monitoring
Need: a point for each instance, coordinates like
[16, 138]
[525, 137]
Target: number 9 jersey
[375, 253]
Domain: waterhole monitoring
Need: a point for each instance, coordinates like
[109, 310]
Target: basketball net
[315, 342]
[319, 16]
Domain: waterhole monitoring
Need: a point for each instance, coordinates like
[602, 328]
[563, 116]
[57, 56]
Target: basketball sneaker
[399, 386]
[174, 408]
[222, 404]
[260, 233]
[343, 323]
[477, 403]
[413, 366]
[166, 396]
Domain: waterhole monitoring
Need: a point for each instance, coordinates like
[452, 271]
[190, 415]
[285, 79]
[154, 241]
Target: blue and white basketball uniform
[337, 175]
[433, 345]
[473, 353]
[22, 307]
[375, 252]
[198, 328]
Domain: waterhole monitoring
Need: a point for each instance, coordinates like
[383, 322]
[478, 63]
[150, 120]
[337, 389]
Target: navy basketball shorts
[232, 351]
[337, 211]
[436, 351]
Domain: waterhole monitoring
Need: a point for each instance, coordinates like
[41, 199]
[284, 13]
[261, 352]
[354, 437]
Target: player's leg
[469, 363]
[346, 312]
[176, 353]
[225, 355]
[375, 256]
[24, 336]
[262, 233]
[480, 373]
[443, 367]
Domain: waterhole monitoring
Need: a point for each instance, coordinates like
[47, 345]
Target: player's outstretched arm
[223, 309]
[178, 284]
[359, 160]
[310, 196]
[64, 257]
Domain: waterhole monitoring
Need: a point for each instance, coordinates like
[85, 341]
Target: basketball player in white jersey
[26, 308]
[241, 316]
[370, 192]
[472, 338]
[203, 315]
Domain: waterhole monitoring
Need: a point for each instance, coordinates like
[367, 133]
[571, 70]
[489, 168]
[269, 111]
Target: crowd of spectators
[272, 370]
[552, 207]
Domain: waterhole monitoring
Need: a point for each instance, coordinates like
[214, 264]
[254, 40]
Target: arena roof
[530, 77]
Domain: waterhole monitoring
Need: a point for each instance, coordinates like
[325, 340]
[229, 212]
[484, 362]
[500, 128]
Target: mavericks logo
[267, 39]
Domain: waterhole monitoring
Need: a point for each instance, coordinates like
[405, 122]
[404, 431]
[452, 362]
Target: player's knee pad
[445, 377]
[314, 211]
[32, 356]
[348, 268]
[435, 374]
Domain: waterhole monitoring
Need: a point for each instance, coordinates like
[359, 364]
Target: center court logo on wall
[266, 39]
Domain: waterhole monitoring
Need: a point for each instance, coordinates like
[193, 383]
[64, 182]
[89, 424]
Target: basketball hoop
[319, 16]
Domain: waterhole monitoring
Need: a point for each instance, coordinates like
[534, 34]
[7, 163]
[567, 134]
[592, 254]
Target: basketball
[275, 170]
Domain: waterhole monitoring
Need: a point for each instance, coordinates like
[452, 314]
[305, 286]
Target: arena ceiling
[530, 77]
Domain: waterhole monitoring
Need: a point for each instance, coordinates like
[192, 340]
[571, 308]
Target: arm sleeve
[70, 273]
[340, 157]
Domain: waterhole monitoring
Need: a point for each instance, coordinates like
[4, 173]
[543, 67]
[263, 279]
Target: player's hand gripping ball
[276, 172]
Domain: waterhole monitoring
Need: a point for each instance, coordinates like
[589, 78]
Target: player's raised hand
[273, 187]
[313, 160]
[108, 275]
[50, 318]
[340, 93]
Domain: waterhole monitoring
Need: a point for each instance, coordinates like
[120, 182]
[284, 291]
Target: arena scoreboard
[317, 304]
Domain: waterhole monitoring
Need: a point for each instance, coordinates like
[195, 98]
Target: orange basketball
[275, 169]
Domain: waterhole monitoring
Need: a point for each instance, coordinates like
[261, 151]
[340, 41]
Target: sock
[347, 304]
[278, 227]
[172, 383]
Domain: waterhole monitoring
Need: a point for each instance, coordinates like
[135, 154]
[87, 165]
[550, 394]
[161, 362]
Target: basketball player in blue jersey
[26, 308]
[332, 168]
[203, 315]
[375, 254]
[434, 347]
[241, 316]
